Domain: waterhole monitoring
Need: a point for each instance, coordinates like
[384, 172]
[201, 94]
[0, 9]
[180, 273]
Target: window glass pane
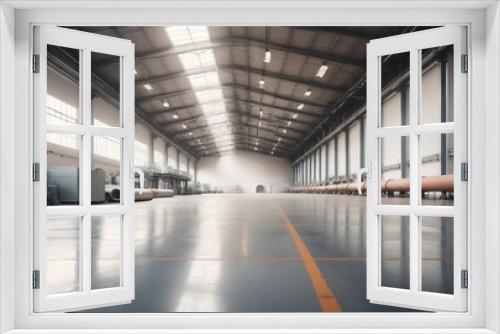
[394, 95]
[106, 178]
[395, 170]
[63, 247]
[437, 254]
[106, 110]
[63, 169]
[437, 85]
[395, 255]
[63, 85]
[436, 163]
[106, 252]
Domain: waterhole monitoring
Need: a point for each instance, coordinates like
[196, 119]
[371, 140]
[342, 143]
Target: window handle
[141, 178]
[365, 170]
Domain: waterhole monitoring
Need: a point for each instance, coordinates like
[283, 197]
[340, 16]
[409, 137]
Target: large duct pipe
[159, 193]
[112, 192]
[146, 195]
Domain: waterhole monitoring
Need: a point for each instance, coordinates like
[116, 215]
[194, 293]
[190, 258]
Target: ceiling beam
[343, 31]
[202, 116]
[240, 134]
[242, 68]
[229, 147]
[278, 129]
[265, 129]
[252, 102]
[162, 96]
[244, 42]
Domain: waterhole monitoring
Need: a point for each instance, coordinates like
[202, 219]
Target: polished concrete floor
[251, 253]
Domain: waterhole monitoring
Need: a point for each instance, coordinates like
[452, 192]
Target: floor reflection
[233, 253]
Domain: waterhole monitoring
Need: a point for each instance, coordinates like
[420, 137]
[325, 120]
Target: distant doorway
[260, 189]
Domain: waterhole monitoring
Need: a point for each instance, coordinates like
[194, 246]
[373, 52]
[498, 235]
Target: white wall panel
[317, 165]
[183, 162]
[323, 163]
[245, 169]
[354, 148]
[331, 158]
[341, 155]
[159, 153]
[431, 95]
[141, 146]
[172, 157]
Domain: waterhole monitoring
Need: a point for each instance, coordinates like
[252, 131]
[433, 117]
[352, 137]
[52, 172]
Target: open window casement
[83, 247]
[400, 255]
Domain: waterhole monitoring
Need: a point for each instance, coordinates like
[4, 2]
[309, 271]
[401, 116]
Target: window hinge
[465, 64]
[36, 279]
[36, 172]
[36, 63]
[464, 279]
[464, 171]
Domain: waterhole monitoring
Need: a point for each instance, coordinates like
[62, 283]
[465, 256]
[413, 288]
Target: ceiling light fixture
[308, 92]
[148, 86]
[175, 116]
[255, 148]
[261, 83]
[259, 123]
[190, 133]
[272, 152]
[322, 70]
[289, 123]
[267, 56]
[184, 126]
[284, 130]
[300, 106]
[166, 104]
[295, 116]
[261, 113]
[279, 139]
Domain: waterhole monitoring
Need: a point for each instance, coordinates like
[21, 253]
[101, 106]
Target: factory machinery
[63, 188]
[441, 183]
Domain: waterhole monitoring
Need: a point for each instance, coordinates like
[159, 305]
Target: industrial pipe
[444, 183]
[160, 193]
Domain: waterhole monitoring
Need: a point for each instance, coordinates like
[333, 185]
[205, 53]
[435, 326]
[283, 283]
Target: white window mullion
[414, 170]
[86, 233]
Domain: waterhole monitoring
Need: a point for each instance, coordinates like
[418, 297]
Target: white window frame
[85, 297]
[15, 233]
[414, 43]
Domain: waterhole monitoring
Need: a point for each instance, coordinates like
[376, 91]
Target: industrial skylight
[197, 59]
[181, 35]
[203, 80]
[205, 83]
[204, 96]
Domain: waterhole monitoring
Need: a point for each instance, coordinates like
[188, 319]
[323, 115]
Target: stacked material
[113, 193]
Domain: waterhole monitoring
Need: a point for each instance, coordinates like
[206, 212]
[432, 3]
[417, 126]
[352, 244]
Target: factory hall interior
[250, 169]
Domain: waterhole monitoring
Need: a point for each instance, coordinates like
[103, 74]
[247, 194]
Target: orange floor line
[327, 299]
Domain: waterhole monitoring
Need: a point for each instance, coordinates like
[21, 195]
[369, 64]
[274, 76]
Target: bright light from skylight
[197, 59]
[181, 35]
[208, 95]
[204, 61]
[203, 80]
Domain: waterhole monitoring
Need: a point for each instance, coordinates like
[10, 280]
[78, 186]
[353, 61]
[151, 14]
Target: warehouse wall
[150, 152]
[344, 165]
[246, 170]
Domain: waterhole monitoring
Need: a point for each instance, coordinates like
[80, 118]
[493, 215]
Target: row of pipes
[442, 183]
